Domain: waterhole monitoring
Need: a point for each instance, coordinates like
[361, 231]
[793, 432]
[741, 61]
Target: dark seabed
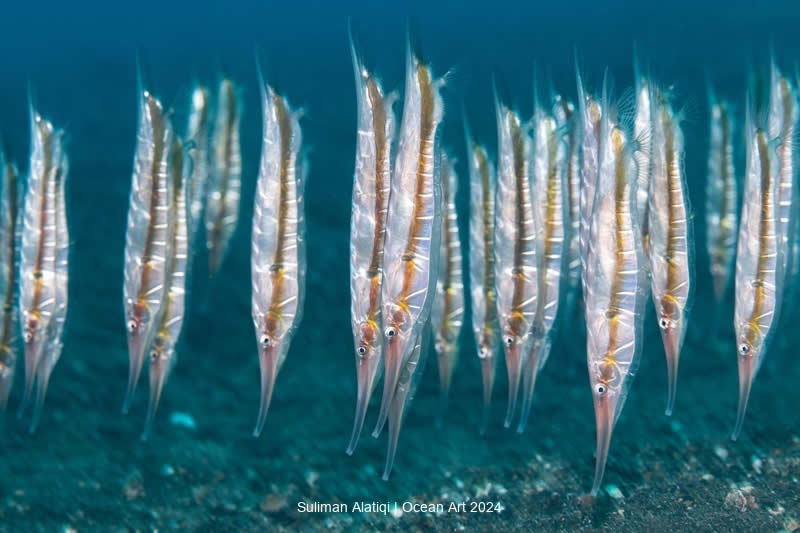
[86, 469]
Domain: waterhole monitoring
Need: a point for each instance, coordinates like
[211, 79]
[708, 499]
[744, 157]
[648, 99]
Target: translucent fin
[31, 363]
[366, 378]
[135, 361]
[395, 422]
[672, 347]
[445, 375]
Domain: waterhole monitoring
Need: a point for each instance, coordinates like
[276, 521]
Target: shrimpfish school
[567, 237]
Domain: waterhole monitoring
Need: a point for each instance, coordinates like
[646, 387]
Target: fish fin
[531, 371]
[488, 368]
[42, 381]
[270, 362]
[159, 372]
[366, 372]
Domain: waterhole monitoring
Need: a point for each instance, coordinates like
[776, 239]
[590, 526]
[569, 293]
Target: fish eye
[483, 352]
[154, 354]
[391, 332]
[663, 323]
[509, 341]
[28, 336]
[131, 326]
[744, 348]
[600, 388]
[362, 350]
[264, 339]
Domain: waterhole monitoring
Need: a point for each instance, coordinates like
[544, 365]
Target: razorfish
[782, 123]
[515, 251]
[225, 178]
[147, 243]
[371, 185]
[642, 129]
[277, 257]
[482, 189]
[10, 200]
[759, 260]
[411, 247]
[38, 259]
[670, 243]
[615, 279]
[566, 119]
[162, 349]
[198, 132]
[551, 218]
[54, 344]
[721, 197]
[588, 128]
[447, 313]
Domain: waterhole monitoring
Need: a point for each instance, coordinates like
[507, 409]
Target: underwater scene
[450, 266]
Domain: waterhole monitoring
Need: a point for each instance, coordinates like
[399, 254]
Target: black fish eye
[264, 340]
[744, 348]
[132, 325]
[391, 332]
[509, 341]
[600, 388]
[663, 323]
[362, 350]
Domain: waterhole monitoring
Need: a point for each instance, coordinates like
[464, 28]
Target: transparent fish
[198, 132]
[38, 260]
[516, 270]
[410, 226]
[162, 349]
[642, 124]
[567, 119]
[371, 185]
[588, 128]
[147, 239]
[552, 220]
[782, 125]
[278, 252]
[482, 190]
[447, 313]
[721, 197]
[54, 344]
[615, 278]
[670, 240]
[225, 177]
[759, 261]
[10, 209]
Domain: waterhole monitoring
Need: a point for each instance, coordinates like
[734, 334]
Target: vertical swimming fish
[567, 119]
[162, 348]
[615, 281]
[411, 226]
[482, 190]
[147, 240]
[198, 132]
[277, 254]
[758, 261]
[10, 200]
[670, 245]
[38, 247]
[371, 185]
[54, 344]
[516, 267]
[588, 127]
[721, 197]
[551, 217]
[447, 313]
[225, 178]
[642, 125]
[783, 116]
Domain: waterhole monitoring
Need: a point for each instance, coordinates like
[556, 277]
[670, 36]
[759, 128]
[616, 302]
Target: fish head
[750, 341]
[138, 325]
[271, 333]
[160, 356]
[368, 341]
[670, 322]
[487, 344]
[607, 393]
[32, 331]
[397, 331]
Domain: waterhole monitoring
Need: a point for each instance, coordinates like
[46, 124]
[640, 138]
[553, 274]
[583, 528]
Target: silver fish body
[10, 209]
